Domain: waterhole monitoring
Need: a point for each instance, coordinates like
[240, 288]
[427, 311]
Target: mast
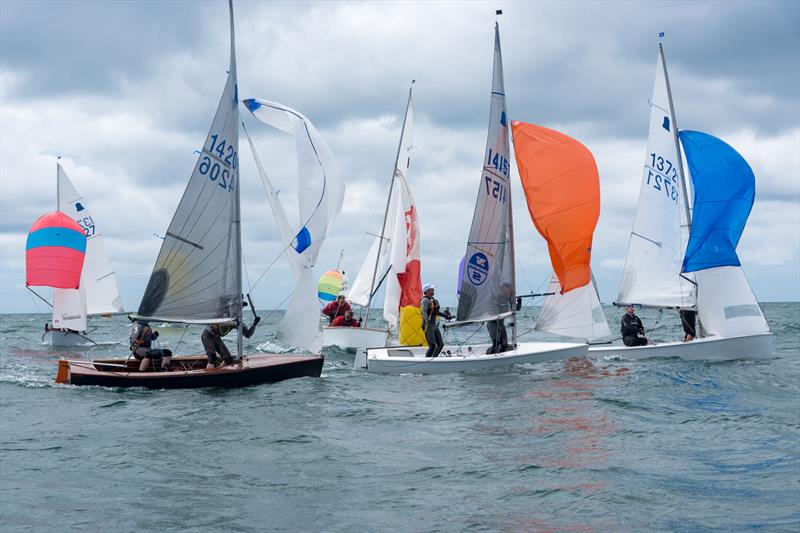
[237, 218]
[388, 202]
[58, 184]
[675, 136]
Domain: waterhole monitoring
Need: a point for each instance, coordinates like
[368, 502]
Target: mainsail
[652, 274]
[724, 191]
[488, 287]
[320, 198]
[562, 188]
[197, 276]
[97, 278]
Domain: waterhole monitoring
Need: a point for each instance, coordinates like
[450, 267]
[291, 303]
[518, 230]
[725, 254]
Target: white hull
[57, 337]
[705, 349]
[354, 338]
[412, 360]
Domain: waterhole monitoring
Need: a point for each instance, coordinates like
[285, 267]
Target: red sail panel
[54, 252]
[562, 188]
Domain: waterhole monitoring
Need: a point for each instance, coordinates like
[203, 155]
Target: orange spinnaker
[562, 188]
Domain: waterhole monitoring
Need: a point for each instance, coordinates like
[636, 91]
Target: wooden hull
[412, 360]
[704, 349]
[190, 372]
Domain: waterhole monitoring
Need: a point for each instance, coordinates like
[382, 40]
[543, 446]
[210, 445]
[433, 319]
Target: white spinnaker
[320, 197]
[197, 275]
[576, 313]
[726, 305]
[655, 252]
[97, 277]
[69, 309]
[489, 263]
[359, 292]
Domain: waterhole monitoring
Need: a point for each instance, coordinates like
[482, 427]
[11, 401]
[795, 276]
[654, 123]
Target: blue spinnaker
[724, 189]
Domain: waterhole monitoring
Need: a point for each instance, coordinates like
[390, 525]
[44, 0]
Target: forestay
[97, 277]
[197, 276]
[652, 274]
[487, 288]
[320, 198]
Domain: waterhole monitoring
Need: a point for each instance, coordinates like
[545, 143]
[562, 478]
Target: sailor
[430, 312]
[688, 319]
[141, 339]
[346, 321]
[497, 328]
[631, 328]
[336, 308]
[212, 342]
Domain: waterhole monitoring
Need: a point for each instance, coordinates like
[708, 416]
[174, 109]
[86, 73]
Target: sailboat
[664, 269]
[98, 294]
[488, 285]
[197, 277]
[393, 260]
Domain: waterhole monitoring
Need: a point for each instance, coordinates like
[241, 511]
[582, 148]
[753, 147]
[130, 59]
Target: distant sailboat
[98, 294]
[488, 285]
[393, 260]
[663, 270]
[197, 277]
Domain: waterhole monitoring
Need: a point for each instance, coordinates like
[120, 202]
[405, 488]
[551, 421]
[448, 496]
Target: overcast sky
[125, 92]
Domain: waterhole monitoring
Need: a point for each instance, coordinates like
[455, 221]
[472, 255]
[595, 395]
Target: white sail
[97, 277]
[360, 289]
[197, 276]
[652, 274]
[726, 305]
[320, 198]
[69, 309]
[487, 287]
[576, 313]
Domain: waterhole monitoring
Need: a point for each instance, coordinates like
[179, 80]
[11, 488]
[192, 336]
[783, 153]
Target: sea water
[609, 445]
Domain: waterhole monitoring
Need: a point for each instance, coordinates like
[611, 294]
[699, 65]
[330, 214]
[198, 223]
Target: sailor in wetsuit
[212, 342]
[631, 329]
[141, 342]
[429, 306]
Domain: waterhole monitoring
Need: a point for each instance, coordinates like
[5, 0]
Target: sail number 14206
[220, 162]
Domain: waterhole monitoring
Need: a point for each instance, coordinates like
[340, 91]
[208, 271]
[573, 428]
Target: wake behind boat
[197, 277]
[668, 267]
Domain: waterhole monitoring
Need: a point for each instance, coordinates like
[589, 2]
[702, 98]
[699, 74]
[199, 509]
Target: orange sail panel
[562, 188]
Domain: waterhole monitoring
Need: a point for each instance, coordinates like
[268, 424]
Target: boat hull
[705, 349]
[412, 360]
[190, 372]
[65, 338]
[354, 338]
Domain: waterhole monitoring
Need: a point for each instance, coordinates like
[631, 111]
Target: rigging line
[38, 296]
[279, 305]
[270, 266]
[185, 329]
[246, 274]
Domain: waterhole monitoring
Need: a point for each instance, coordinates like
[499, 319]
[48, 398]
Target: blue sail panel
[724, 190]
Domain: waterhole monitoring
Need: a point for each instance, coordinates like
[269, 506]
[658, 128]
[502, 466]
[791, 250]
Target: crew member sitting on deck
[141, 339]
[212, 342]
[336, 308]
[631, 329]
[346, 321]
